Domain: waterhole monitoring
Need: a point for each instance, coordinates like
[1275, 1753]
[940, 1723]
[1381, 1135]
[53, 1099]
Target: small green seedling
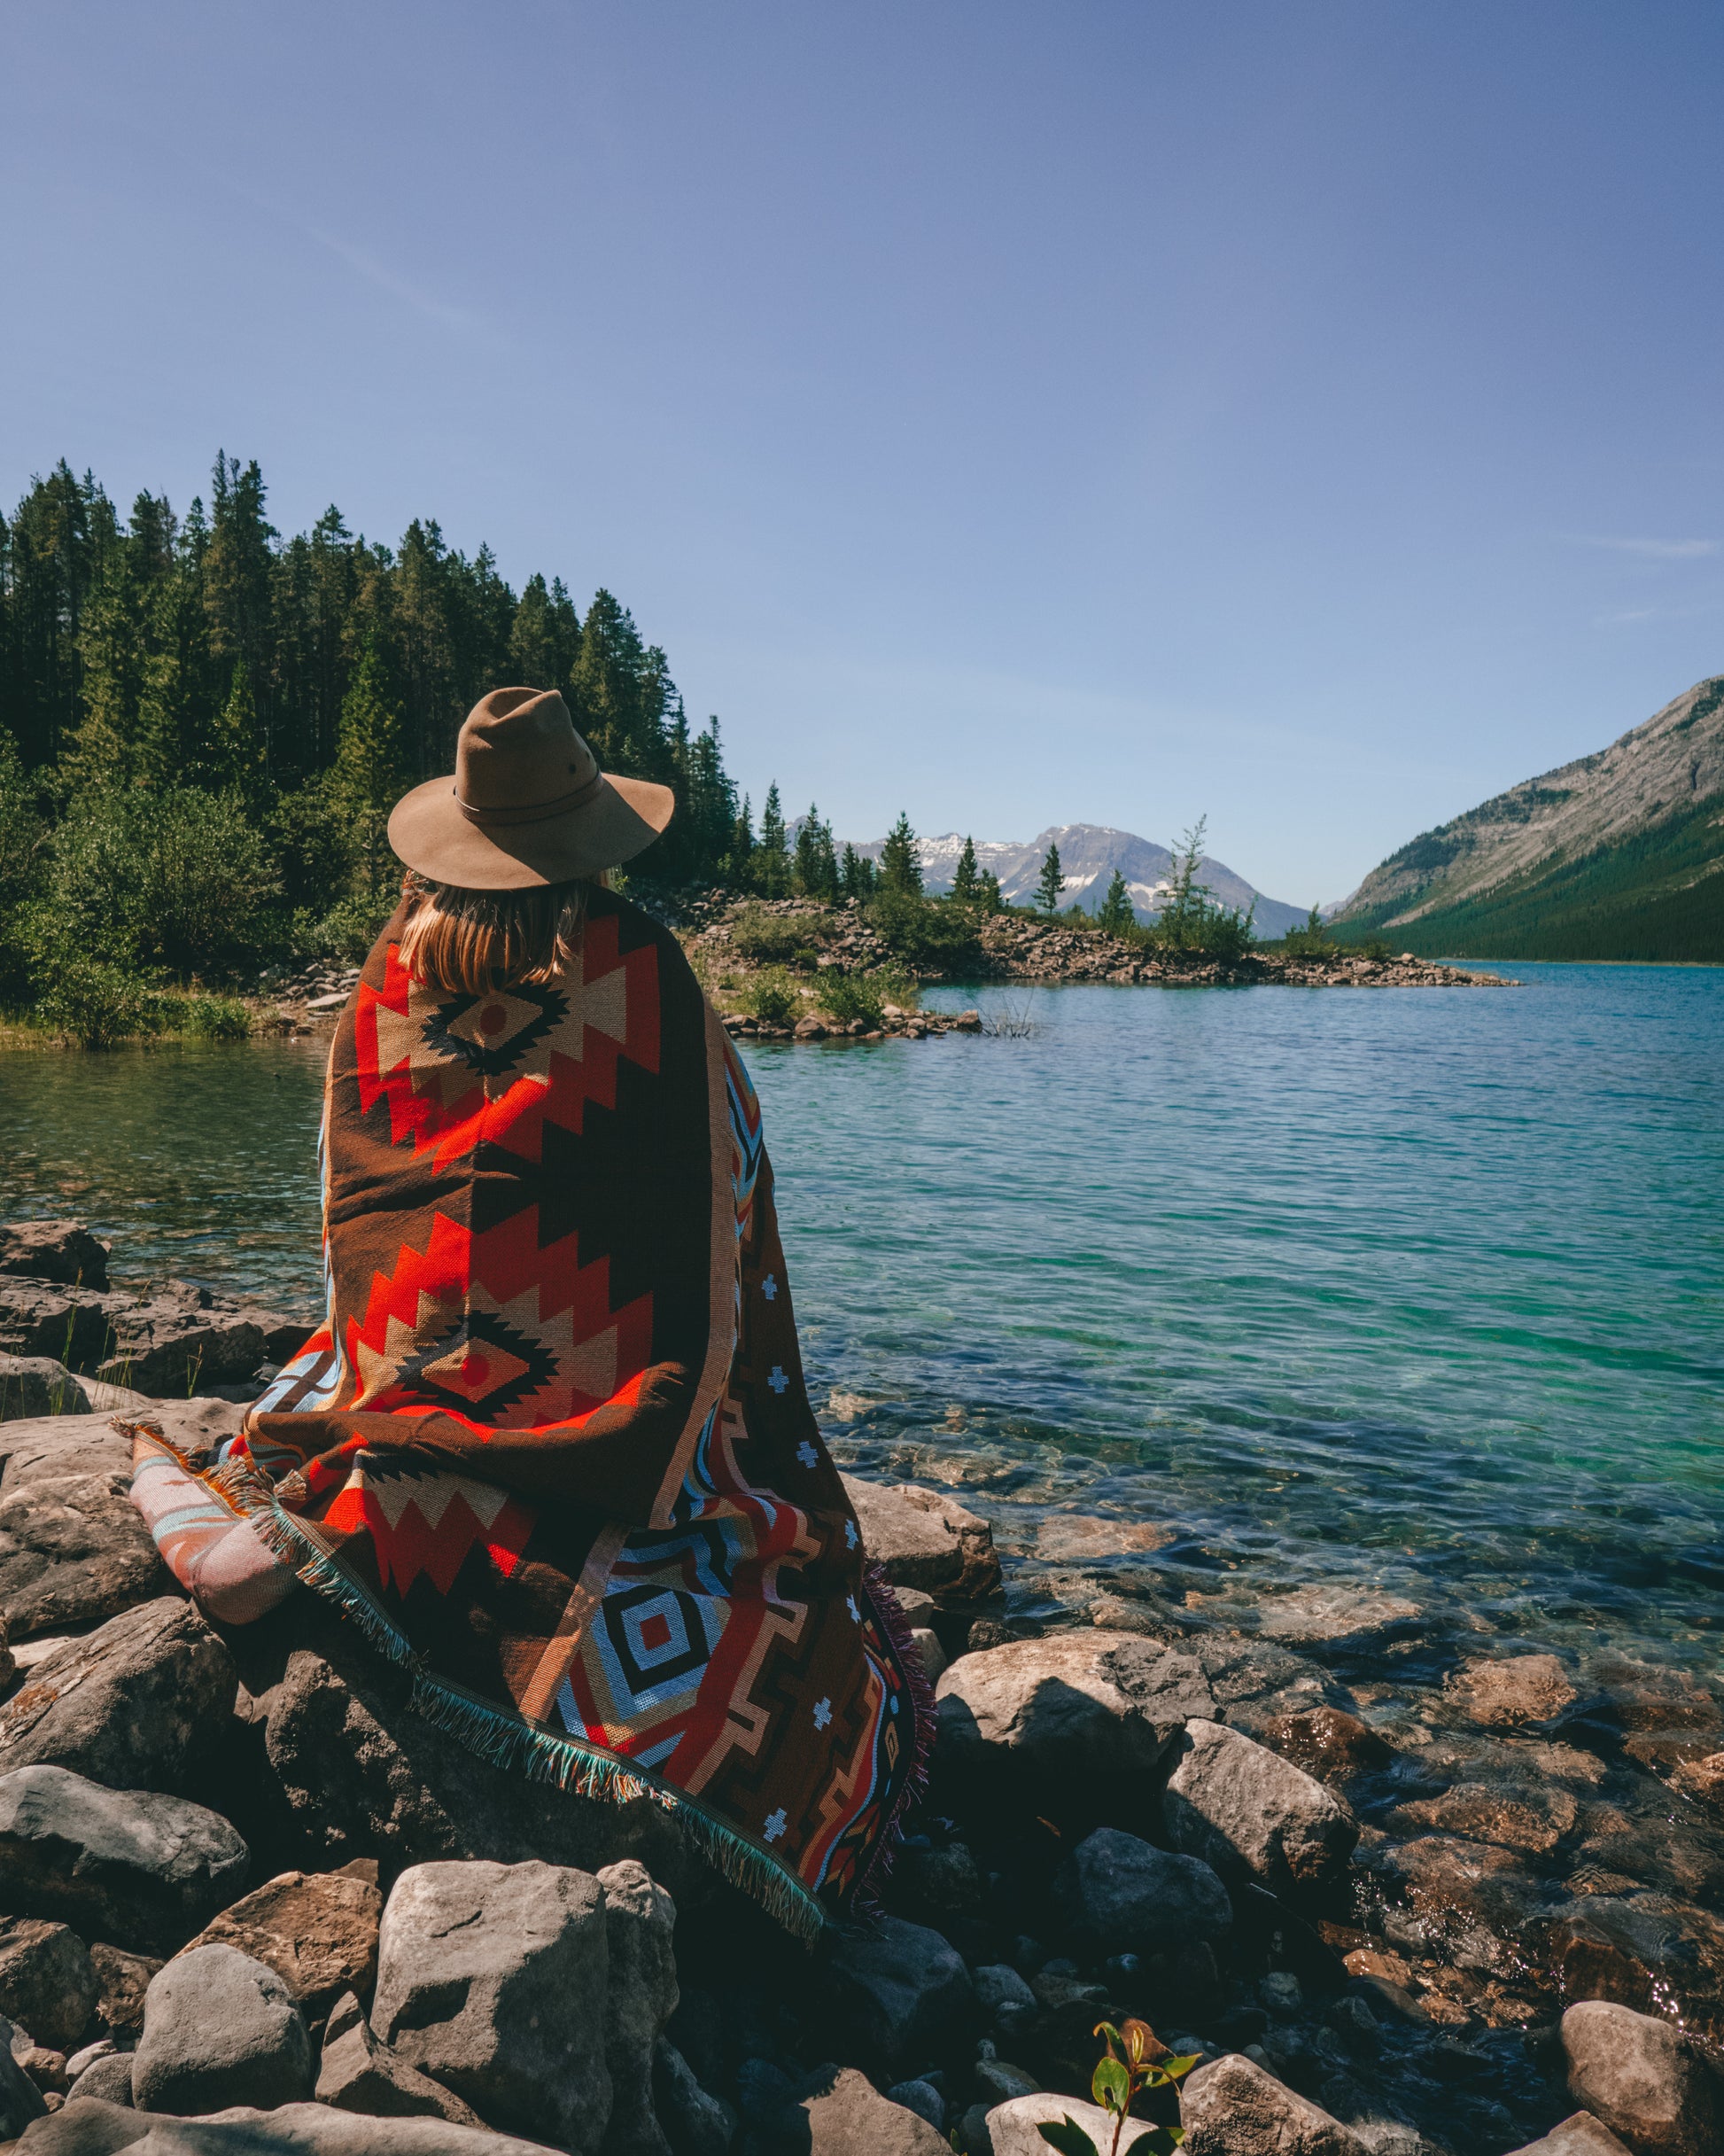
[1133, 2060]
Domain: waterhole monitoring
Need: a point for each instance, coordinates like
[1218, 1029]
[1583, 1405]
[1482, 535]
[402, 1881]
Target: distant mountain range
[1618, 855]
[1089, 854]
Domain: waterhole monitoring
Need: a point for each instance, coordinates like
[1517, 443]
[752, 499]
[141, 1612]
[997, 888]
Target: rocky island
[1398, 1896]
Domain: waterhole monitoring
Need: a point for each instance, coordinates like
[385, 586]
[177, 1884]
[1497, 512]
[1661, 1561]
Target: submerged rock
[1507, 1692]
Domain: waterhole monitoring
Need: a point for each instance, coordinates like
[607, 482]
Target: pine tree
[367, 780]
[901, 859]
[771, 859]
[965, 883]
[987, 893]
[234, 753]
[1115, 912]
[1053, 882]
[856, 874]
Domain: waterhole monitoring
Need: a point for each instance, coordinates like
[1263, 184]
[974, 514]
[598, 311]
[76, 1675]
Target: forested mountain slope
[1617, 855]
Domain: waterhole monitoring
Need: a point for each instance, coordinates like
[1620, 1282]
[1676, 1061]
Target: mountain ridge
[1615, 854]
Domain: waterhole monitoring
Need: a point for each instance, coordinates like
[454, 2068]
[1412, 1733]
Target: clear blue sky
[1309, 414]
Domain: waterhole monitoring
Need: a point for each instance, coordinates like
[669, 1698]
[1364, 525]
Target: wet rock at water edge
[1072, 1537]
[902, 1992]
[124, 1864]
[1234, 2108]
[1534, 1820]
[1323, 1615]
[1072, 1709]
[919, 1538]
[1118, 1894]
[132, 1704]
[1512, 1691]
[220, 2028]
[1327, 1743]
[75, 1551]
[845, 2116]
[492, 1979]
[1640, 2076]
[357, 2073]
[1241, 1807]
[318, 1932]
[48, 1981]
[64, 1251]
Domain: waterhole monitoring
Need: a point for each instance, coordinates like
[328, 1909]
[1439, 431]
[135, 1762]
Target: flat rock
[1233, 2107]
[1639, 2075]
[356, 2071]
[74, 1550]
[317, 1930]
[640, 1995]
[1121, 1895]
[61, 1250]
[52, 1447]
[37, 1385]
[220, 2028]
[1014, 2129]
[1509, 1691]
[133, 1704]
[1071, 1706]
[492, 1979]
[903, 1992]
[847, 2116]
[47, 1980]
[1244, 1809]
[1579, 2135]
[920, 1538]
[130, 1865]
[1316, 1614]
[295, 2130]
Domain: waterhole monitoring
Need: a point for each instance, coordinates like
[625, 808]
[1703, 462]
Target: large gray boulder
[1232, 2107]
[355, 2072]
[134, 1704]
[20, 2100]
[1120, 1895]
[640, 1995]
[75, 1551]
[1641, 2077]
[903, 1993]
[1245, 1810]
[492, 1977]
[919, 1538]
[220, 2028]
[34, 1385]
[62, 1251]
[129, 1866]
[317, 1930]
[362, 1775]
[47, 1980]
[296, 2129]
[1014, 2127]
[1068, 1710]
[846, 2115]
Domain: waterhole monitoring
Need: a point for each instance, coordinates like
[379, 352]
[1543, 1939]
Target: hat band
[535, 812]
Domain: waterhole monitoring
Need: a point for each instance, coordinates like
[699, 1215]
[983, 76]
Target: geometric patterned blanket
[551, 1448]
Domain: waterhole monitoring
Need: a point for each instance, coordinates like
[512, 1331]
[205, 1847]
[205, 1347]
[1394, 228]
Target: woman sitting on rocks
[551, 1450]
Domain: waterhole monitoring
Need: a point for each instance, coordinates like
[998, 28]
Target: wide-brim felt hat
[526, 803]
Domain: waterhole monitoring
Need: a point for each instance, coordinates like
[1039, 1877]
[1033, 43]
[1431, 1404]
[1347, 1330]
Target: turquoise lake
[1416, 1290]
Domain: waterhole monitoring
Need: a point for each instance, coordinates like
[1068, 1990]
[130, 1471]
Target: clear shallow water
[1411, 1289]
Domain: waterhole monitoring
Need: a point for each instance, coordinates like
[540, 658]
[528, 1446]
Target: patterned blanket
[552, 1449]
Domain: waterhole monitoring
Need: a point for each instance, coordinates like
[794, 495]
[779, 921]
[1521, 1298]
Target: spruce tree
[1053, 882]
[856, 875]
[966, 884]
[901, 859]
[987, 893]
[1115, 913]
[368, 777]
[772, 857]
[233, 756]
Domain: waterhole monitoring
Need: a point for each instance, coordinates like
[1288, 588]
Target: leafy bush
[773, 998]
[347, 931]
[846, 996]
[1310, 941]
[98, 1003]
[1192, 921]
[216, 1018]
[926, 933]
[314, 845]
[769, 939]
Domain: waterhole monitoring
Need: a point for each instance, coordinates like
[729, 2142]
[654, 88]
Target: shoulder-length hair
[470, 941]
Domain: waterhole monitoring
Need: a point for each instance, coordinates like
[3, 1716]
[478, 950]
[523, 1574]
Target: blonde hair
[471, 941]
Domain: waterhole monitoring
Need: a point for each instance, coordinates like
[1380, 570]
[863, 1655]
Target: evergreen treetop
[965, 883]
[901, 859]
[1053, 882]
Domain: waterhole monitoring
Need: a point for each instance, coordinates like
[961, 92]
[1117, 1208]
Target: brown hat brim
[431, 831]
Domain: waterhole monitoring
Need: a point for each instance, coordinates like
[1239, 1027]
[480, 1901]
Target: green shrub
[98, 1003]
[773, 998]
[846, 996]
[929, 934]
[216, 1018]
[769, 939]
[1309, 941]
[347, 931]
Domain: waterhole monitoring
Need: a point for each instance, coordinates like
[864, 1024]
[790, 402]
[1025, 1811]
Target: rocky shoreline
[1403, 1895]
